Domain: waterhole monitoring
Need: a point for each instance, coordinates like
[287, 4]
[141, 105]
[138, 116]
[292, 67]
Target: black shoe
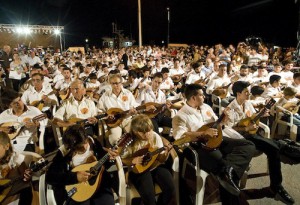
[225, 179]
[282, 195]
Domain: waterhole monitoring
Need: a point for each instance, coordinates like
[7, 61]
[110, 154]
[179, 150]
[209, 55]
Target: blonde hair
[141, 123]
[4, 140]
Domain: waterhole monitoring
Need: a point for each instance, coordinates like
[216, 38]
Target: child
[143, 135]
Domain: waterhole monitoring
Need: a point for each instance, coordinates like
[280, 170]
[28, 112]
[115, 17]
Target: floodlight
[56, 32]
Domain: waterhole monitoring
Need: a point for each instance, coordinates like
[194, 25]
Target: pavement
[256, 191]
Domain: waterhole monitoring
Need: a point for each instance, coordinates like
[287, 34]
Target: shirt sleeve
[179, 127]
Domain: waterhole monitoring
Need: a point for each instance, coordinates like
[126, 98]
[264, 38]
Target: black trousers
[161, 120]
[144, 183]
[232, 152]
[271, 148]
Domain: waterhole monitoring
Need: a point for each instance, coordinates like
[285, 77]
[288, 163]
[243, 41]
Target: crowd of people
[139, 91]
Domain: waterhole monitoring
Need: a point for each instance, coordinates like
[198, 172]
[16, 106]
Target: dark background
[192, 21]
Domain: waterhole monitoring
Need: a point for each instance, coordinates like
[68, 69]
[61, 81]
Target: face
[297, 81]
[37, 82]
[66, 74]
[222, 71]
[77, 90]
[81, 149]
[17, 105]
[156, 82]
[116, 84]
[244, 72]
[165, 75]
[288, 66]
[277, 69]
[145, 136]
[199, 98]
[244, 95]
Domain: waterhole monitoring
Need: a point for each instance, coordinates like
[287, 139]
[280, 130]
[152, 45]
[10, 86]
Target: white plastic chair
[216, 104]
[46, 193]
[282, 125]
[191, 161]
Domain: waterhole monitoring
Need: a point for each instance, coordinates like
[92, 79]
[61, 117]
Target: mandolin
[85, 190]
[15, 127]
[40, 103]
[7, 185]
[151, 155]
[254, 119]
[221, 91]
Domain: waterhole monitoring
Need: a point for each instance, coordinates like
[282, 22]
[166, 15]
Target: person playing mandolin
[144, 138]
[77, 108]
[39, 96]
[9, 163]
[291, 103]
[78, 149]
[21, 122]
[241, 109]
[229, 158]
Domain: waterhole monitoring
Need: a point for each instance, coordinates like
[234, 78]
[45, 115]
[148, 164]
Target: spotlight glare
[19, 30]
[56, 32]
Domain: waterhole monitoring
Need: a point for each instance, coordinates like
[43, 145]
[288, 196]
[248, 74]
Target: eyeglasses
[115, 83]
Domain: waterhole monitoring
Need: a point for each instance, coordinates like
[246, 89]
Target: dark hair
[93, 76]
[67, 68]
[165, 70]
[158, 75]
[191, 90]
[274, 78]
[38, 74]
[239, 86]
[74, 136]
[36, 66]
[296, 75]
[7, 96]
[132, 74]
[257, 90]
[244, 67]
[196, 65]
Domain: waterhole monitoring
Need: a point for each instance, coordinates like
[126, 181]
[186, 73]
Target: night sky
[192, 21]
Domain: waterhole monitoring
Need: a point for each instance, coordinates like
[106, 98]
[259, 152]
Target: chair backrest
[216, 104]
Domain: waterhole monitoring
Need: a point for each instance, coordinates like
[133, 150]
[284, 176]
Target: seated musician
[79, 148]
[9, 163]
[144, 136]
[18, 114]
[220, 82]
[93, 85]
[289, 102]
[86, 71]
[240, 109]
[167, 86]
[230, 160]
[273, 89]
[296, 83]
[64, 83]
[154, 94]
[196, 75]
[117, 97]
[256, 99]
[76, 108]
[39, 95]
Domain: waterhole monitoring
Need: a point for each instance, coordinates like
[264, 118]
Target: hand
[168, 103]
[137, 160]
[27, 175]
[30, 124]
[150, 108]
[92, 120]
[132, 111]
[211, 133]
[112, 153]
[83, 176]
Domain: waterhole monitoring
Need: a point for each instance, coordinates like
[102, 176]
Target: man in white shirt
[118, 97]
[75, 108]
[33, 59]
[21, 115]
[230, 159]
[240, 109]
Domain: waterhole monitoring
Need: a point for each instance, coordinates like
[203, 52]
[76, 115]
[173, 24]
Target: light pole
[168, 32]
[140, 23]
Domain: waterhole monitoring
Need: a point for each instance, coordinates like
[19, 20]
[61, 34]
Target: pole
[60, 43]
[168, 32]
[140, 23]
